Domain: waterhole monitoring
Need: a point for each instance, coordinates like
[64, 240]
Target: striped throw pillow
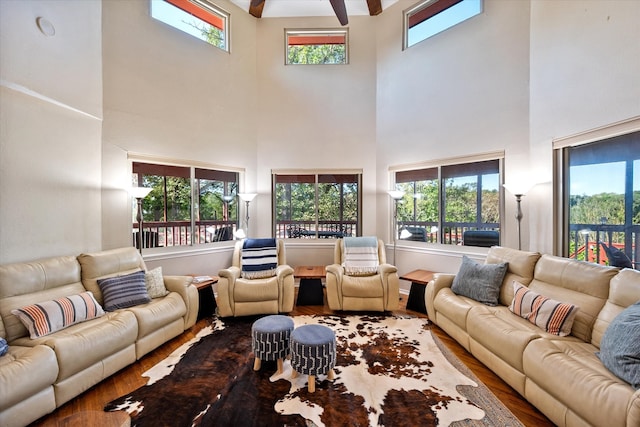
[553, 316]
[50, 316]
[259, 258]
[124, 291]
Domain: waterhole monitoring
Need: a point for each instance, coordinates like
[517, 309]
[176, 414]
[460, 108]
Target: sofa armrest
[286, 288]
[335, 272]
[182, 285]
[227, 282]
[439, 282]
[284, 270]
[386, 269]
[389, 274]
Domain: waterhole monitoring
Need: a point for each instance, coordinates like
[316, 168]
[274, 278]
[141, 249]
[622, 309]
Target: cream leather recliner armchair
[378, 292]
[238, 296]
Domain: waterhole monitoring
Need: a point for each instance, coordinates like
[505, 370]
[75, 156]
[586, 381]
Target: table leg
[207, 302]
[310, 292]
[416, 298]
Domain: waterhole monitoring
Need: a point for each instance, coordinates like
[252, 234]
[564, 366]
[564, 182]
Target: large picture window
[186, 206]
[317, 205]
[601, 203]
[453, 204]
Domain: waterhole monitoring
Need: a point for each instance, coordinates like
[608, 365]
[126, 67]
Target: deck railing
[179, 233]
[586, 241]
[309, 230]
[452, 232]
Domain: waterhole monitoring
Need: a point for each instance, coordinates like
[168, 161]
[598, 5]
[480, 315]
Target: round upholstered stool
[270, 339]
[313, 352]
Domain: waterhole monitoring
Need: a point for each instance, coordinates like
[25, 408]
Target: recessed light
[45, 26]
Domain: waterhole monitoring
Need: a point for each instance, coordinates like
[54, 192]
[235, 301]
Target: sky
[601, 178]
[443, 20]
[175, 17]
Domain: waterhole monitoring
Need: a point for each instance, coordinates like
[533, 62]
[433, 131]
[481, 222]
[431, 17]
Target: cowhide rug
[390, 371]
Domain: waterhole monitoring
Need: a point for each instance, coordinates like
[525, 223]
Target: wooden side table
[207, 302]
[419, 280]
[310, 290]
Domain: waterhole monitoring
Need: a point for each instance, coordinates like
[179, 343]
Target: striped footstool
[313, 352]
[270, 339]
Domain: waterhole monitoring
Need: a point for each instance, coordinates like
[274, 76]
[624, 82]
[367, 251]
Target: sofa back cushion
[624, 291]
[583, 284]
[27, 283]
[111, 263]
[520, 268]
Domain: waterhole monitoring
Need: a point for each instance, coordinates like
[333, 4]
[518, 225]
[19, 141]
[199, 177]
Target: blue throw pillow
[124, 291]
[480, 282]
[4, 347]
[620, 346]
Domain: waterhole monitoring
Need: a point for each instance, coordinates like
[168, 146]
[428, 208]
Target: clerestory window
[199, 18]
[316, 47]
[430, 17]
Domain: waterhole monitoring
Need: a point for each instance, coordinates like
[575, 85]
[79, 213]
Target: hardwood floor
[131, 378]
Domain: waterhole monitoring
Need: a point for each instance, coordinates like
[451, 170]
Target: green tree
[316, 54]
[213, 35]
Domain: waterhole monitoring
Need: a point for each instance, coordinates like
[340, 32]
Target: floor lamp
[396, 195]
[518, 190]
[247, 198]
[139, 193]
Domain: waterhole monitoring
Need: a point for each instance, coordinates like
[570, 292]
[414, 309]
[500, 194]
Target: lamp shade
[518, 188]
[396, 194]
[247, 197]
[139, 192]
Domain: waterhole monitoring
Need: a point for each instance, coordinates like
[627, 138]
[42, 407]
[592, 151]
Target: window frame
[289, 232]
[427, 9]
[195, 231]
[205, 11]
[325, 33]
[437, 171]
[562, 234]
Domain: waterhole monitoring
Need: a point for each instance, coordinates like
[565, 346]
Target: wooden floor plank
[131, 378]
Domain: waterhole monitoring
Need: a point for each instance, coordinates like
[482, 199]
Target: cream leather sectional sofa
[39, 375]
[561, 376]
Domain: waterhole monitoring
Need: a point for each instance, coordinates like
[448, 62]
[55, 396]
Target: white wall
[170, 95]
[511, 79]
[462, 92]
[585, 73]
[50, 117]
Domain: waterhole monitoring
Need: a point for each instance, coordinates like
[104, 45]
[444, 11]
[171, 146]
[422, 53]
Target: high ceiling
[289, 8]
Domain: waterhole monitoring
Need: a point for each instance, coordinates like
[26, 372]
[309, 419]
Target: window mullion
[195, 205]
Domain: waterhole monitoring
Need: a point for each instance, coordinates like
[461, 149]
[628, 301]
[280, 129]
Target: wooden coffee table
[310, 291]
[419, 280]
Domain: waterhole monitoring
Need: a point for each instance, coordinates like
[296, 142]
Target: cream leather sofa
[244, 297]
[561, 376]
[39, 375]
[379, 292]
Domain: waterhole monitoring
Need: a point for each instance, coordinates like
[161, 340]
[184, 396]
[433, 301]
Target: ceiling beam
[341, 11]
[375, 7]
[255, 8]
